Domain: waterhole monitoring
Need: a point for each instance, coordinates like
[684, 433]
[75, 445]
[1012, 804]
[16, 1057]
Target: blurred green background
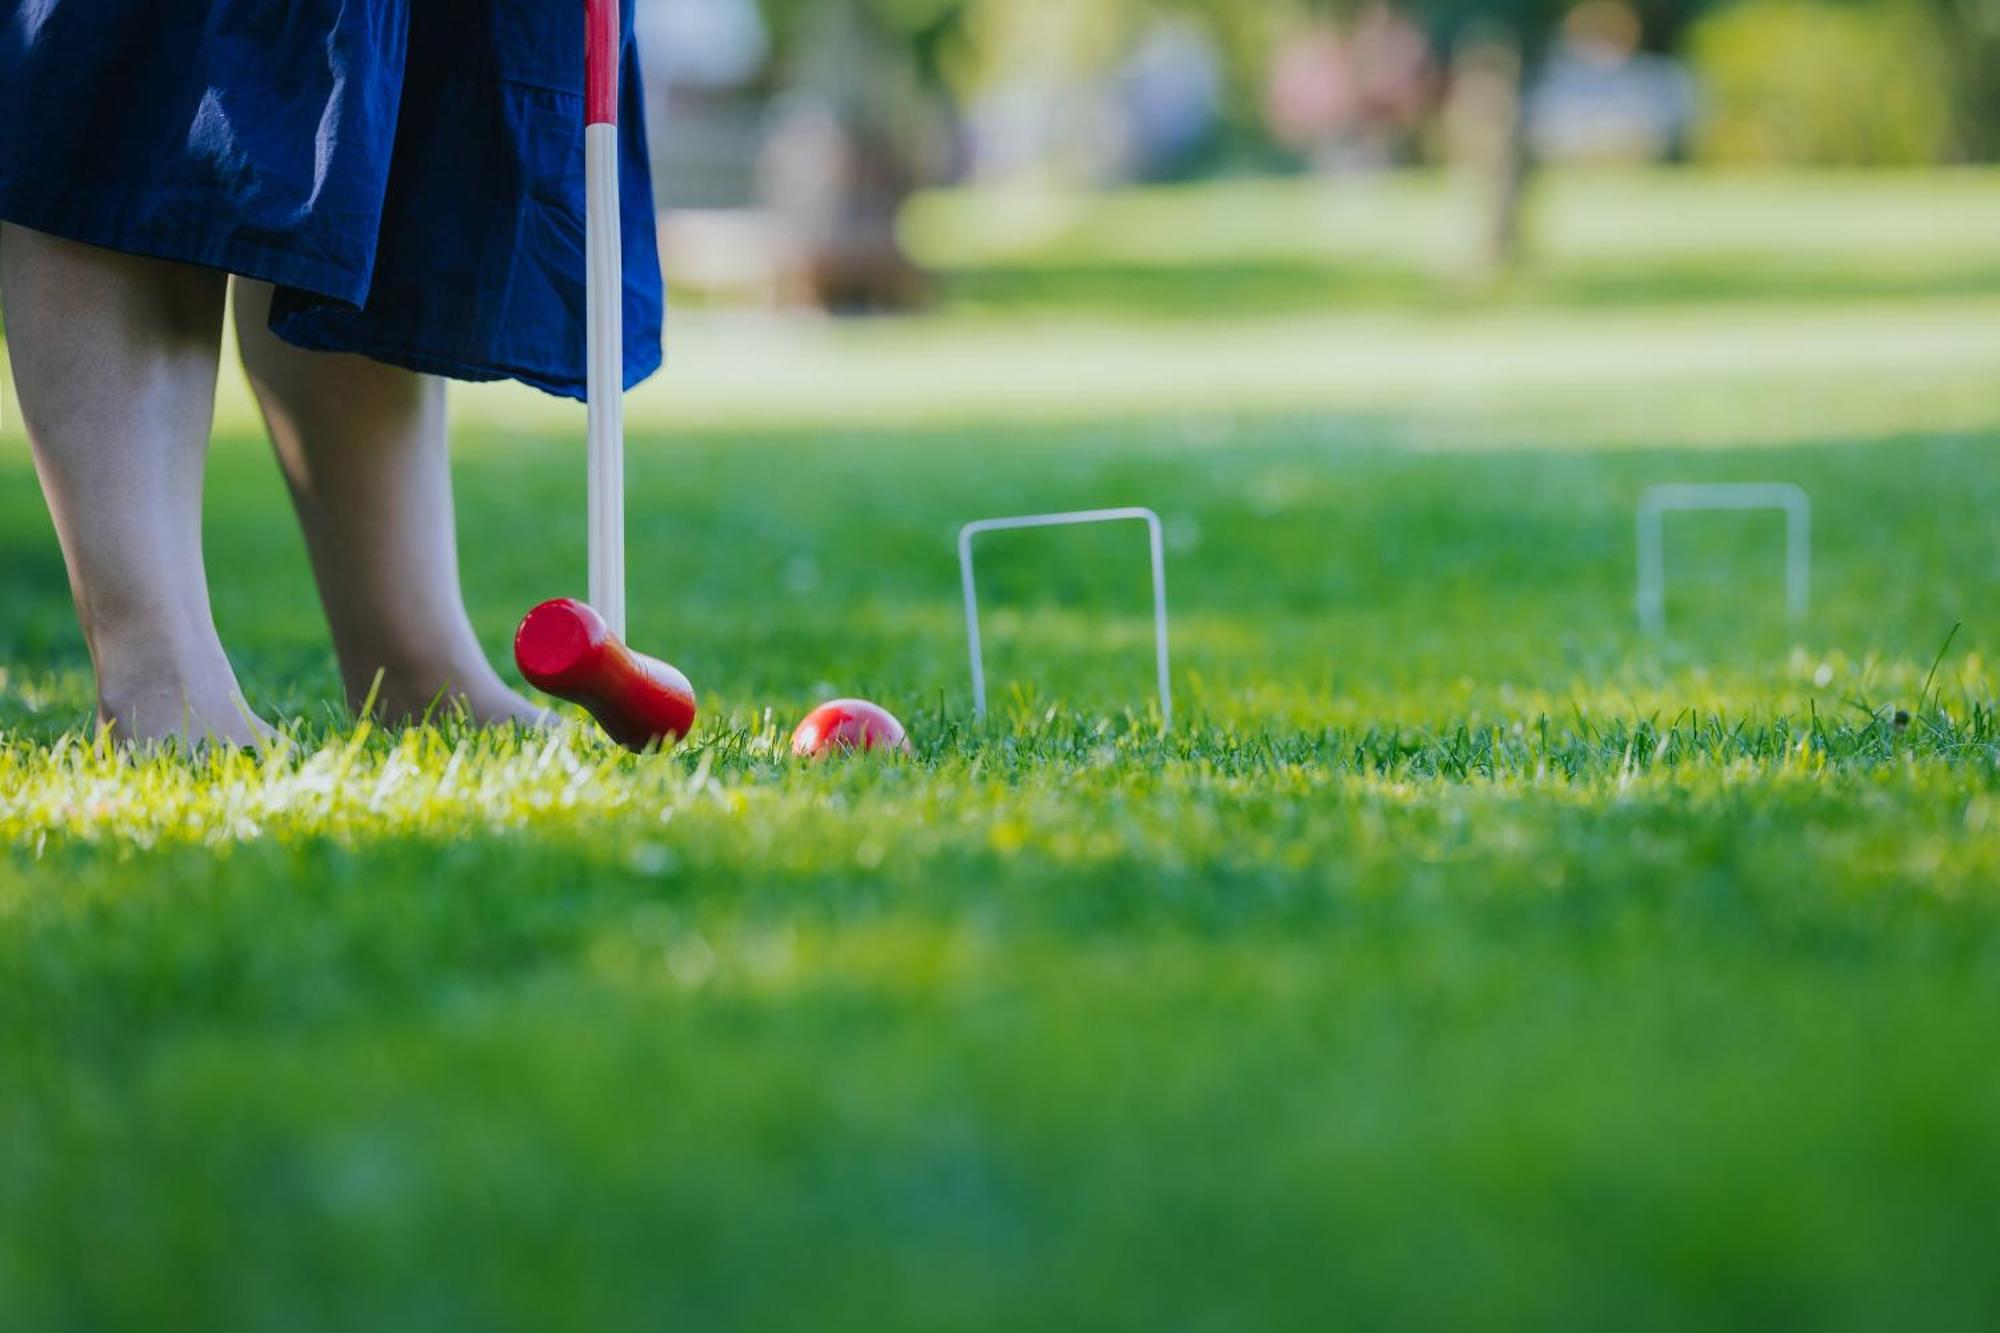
[791, 134]
[1468, 958]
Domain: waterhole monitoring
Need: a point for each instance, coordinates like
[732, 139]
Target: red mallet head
[565, 649]
[846, 725]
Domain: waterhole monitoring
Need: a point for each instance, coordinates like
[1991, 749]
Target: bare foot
[504, 708]
[364, 453]
[144, 708]
[474, 692]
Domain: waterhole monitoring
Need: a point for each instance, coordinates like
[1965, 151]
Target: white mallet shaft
[605, 304]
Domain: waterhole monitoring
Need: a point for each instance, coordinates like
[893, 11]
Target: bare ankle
[417, 691]
[202, 711]
[164, 687]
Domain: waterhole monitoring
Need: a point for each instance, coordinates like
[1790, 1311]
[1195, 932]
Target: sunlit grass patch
[1043, 777]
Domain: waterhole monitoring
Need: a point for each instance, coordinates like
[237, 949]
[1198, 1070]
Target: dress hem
[99, 218]
[637, 371]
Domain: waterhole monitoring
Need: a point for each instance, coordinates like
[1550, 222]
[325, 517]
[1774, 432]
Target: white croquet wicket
[1157, 535]
[1658, 501]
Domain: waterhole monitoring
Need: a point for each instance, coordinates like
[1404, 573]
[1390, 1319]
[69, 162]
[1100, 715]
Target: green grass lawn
[1464, 957]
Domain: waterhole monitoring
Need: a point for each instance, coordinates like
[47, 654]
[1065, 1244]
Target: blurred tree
[1498, 49]
[1785, 77]
[883, 82]
[923, 29]
[1029, 74]
[1972, 28]
[862, 117]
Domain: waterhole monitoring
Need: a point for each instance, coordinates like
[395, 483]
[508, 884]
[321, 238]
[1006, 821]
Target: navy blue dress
[409, 173]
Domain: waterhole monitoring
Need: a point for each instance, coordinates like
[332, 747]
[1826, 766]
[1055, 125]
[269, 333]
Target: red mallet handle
[564, 648]
[600, 61]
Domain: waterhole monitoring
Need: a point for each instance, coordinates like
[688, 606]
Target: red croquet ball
[846, 725]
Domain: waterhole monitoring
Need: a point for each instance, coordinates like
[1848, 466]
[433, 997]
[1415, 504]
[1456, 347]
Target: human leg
[115, 360]
[363, 449]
